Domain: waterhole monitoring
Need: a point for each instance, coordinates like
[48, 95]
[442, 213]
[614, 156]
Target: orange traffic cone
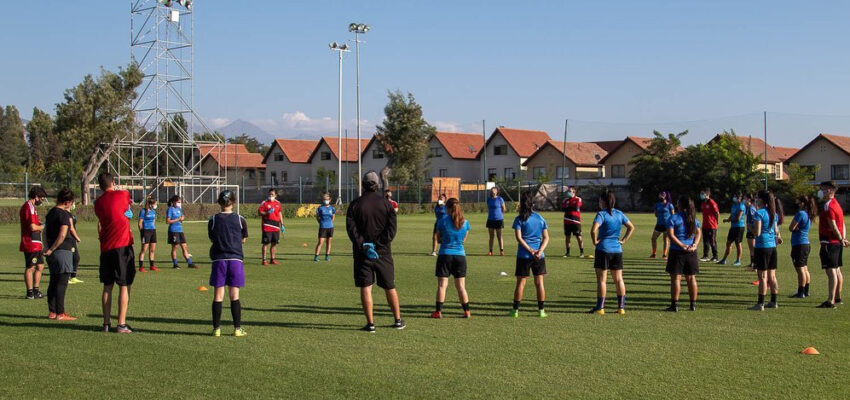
[810, 351]
[202, 288]
[303, 244]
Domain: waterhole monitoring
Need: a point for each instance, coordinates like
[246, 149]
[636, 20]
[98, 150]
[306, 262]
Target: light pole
[339, 48]
[358, 29]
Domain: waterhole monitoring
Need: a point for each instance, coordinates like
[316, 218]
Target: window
[500, 150]
[278, 156]
[274, 179]
[509, 173]
[284, 176]
[840, 172]
[376, 154]
[444, 172]
[435, 152]
[252, 174]
[538, 172]
[562, 173]
[326, 155]
[492, 174]
[618, 171]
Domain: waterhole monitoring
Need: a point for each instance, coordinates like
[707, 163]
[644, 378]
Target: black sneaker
[837, 301]
[672, 309]
[399, 324]
[368, 328]
[107, 328]
[38, 294]
[826, 304]
[175, 267]
[193, 266]
[693, 307]
[30, 295]
[798, 295]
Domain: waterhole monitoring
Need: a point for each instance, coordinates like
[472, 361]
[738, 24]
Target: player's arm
[170, 221]
[63, 233]
[504, 207]
[594, 233]
[98, 227]
[794, 225]
[671, 235]
[521, 242]
[210, 225]
[697, 238]
[392, 225]
[351, 229]
[280, 215]
[244, 224]
[141, 222]
[757, 227]
[73, 228]
[777, 233]
[630, 229]
[543, 244]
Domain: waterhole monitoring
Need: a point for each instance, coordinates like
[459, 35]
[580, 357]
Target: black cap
[829, 184]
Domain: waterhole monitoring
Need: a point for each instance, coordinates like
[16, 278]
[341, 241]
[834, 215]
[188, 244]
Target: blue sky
[613, 67]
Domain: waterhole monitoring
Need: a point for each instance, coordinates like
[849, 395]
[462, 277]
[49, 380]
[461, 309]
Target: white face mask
[73, 206]
[820, 193]
[326, 202]
[440, 202]
[178, 205]
[154, 207]
[570, 195]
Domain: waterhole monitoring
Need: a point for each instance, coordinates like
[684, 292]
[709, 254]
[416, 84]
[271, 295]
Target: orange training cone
[202, 288]
[810, 351]
[303, 244]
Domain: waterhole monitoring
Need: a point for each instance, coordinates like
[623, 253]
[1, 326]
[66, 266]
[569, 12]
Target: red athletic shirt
[114, 225]
[30, 241]
[572, 210]
[710, 212]
[271, 220]
[831, 212]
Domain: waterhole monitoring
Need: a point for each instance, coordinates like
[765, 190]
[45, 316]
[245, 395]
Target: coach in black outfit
[371, 225]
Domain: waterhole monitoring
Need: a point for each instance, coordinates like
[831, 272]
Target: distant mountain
[239, 127]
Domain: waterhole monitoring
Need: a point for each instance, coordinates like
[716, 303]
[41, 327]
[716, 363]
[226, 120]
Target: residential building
[234, 162]
[776, 156]
[374, 157]
[576, 162]
[327, 154]
[456, 155]
[287, 161]
[507, 149]
[617, 163]
[828, 156]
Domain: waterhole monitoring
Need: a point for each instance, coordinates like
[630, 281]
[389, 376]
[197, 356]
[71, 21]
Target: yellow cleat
[621, 311]
[239, 332]
[217, 332]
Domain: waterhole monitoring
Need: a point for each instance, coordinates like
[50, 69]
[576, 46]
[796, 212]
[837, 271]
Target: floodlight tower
[340, 48]
[358, 29]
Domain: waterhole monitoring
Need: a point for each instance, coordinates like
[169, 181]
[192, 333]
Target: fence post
[300, 199]
[243, 189]
[26, 184]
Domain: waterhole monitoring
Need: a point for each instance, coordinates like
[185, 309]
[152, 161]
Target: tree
[325, 178]
[44, 149]
[405, 135]
[656, 169]
[96, 112]
[251, 143]
[800, 179]
[13, 152]
[208, 137]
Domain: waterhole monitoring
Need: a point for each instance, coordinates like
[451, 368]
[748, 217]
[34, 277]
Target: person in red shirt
[117, 260]
[271, 213]
[833, 240]
[572, 221]
[710, 214]
[388, 194]
[30, 245]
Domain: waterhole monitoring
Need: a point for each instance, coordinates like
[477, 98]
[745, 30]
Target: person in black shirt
[227, 231]
[371, 225]
[59, 253]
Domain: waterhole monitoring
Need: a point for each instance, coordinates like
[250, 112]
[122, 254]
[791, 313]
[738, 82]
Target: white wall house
[326, 156]
[507, 149]
[288, 160]
[456, 155]
[828, 157]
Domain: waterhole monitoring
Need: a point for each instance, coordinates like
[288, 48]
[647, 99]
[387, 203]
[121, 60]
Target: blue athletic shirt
[609, 230]
[532, 232]
[326, 215]
[440, 211]
[766, 239]
[226, 231]
[663, 211]
[175, 213]
[801, 235]
[751, 214]
[451, 239]
[148, 219]
[739, 207]
[677, 222]
[494, 208]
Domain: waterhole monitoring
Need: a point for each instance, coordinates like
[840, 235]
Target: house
[456, 155]
[374, 156]
[326, 156]
[776, 156]
[288, 160]
[617, 163]
[507, 149]
[234, 162]
[575, 161]
[829, 154]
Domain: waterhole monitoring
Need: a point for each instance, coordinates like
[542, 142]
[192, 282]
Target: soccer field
[302, 319]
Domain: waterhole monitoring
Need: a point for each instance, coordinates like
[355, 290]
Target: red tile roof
[232, 155]
[756, 147]
[842, 142]
[610, 145]
[641, 142]
[296, 151]
[464, 146]
[349, 147]
[524, 142]
[582, 154]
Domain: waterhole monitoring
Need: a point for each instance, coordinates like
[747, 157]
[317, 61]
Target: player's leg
[654, 240]
[106, 305]
[442, 284]
[541, 294]
[366, 302]
[620, 285]
[501, 242]
[601, 288]
[492, 233]
[675, 291]
[236, 311]
[328, 247]
[319, 244]
[151, 257]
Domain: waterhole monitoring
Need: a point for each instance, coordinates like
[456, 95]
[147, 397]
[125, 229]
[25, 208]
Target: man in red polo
[271, 212]
[31, 246]
[117, 265]
[833, 240]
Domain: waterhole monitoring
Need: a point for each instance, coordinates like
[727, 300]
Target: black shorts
[612, 261]
[660, 228]
[572, 229]
[495, 224]
[736, 235]
[682, 262]
[326, 233]
[750, 235]
[367, 272]
[117, 266]
[765, 258]
[149, 236]
[831, 256]
[450, 265]
[176, 238]
[33, 259]
[524, 266]
[800, 255]
[271, 237]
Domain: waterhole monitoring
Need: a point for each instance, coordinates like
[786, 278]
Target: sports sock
[216, 314]
[693, 304]
[236, 313]
[29, 292]
[465, 306]
[674, 303]
[141, 263]
[773, 297]
[439, 306]
[516, 304]
[35, 290]
[568, 251]
[837, 299]
[600, 303]
[188, 260]
[540, 305]
[174, 261]
[801, 289]
[807, 289]
[581, 250]
[621, 301]
[151, 262]
[761, 299]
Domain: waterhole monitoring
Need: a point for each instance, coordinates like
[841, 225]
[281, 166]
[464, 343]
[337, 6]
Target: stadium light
[339, 48]
[186, 3]
[358, 28]
[166, 3]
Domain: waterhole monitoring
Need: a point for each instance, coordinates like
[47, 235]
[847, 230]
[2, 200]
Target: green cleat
[217, 332]
[542, 314]
[239, 332]
[514, 313]
[315, 258]
[74, 280]
[327, 258]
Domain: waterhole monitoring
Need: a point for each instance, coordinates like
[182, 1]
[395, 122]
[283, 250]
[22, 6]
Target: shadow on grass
[77, 327]
[246, 322]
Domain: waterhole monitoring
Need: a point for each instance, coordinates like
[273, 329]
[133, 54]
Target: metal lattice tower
[161, 155]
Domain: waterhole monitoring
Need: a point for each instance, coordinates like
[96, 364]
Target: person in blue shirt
[439, 213]
[750, 201]
[684, 233]
[532, 236]
[496, 219]
[800, 247]
[766, 229]
[325, 214]
[227, 232]
[605, 234]
[737, 218]
[176, 238]
[452, 230]
[663, 210]
[147, 231]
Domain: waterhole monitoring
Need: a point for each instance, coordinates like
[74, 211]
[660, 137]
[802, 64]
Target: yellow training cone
[202, 288]
[303, 244]
[810, 351]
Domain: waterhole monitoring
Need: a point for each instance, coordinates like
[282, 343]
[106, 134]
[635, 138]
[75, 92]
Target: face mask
[154, 207]
[702, 196]
[820, 194]
[326, 202]
[38, 202]
[178, 205]
[570, 195]
[73, 206]
[440, 202]
[271, 198]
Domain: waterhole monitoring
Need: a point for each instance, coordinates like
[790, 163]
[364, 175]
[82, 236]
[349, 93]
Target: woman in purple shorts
[227, 232]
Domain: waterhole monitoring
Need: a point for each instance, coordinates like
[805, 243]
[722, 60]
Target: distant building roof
[524, 142]
[464, 146]
[756, 147]
[295, 150]
[842, 142]
[641, 142]
[349, 147]
[582, 154]
[231, 155]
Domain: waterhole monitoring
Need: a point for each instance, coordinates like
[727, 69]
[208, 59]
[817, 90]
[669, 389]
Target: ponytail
[526, 205]
[149, 202]
[810, 206]
[686, 206]
[770, 202]
[609, 200]
[455, 212]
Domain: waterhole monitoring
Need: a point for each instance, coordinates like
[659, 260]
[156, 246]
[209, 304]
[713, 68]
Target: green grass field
[302, 318]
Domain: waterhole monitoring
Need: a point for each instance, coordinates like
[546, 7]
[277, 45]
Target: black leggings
[709, 240]
[56, 292]
[76, 261]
